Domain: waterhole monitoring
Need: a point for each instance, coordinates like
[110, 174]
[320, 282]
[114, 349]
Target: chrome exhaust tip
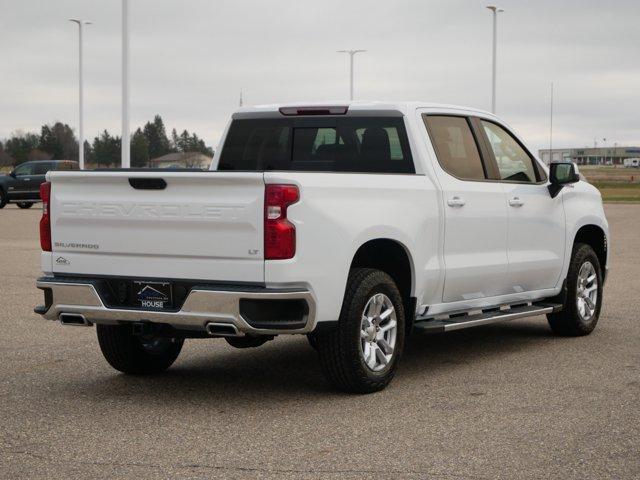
[223, 330]
[74, 320]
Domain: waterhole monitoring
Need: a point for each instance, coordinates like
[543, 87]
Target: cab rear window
[330, 144]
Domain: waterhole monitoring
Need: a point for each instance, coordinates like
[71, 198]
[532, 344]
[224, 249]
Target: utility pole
[351, 55]
[551, 127]
[80, 23]
[126, 151]
[496, 11]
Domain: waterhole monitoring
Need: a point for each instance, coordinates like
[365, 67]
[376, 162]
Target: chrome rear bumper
[201, 307]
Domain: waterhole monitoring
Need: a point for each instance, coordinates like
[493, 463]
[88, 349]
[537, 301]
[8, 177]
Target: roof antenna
[241, 97]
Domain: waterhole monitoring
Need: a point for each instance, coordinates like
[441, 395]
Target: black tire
[311, 338]
[570, 321]
[134, 354]
[3, 199]
[24, 205]
[341, 349]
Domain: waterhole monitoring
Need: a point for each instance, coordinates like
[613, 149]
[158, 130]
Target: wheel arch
[393, 258]
[594, 236]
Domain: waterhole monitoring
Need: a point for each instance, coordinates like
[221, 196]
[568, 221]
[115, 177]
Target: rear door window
[41, 168]
[330, 144]
[455, 146]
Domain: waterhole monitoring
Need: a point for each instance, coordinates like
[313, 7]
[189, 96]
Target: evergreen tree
[89, 156]
[175, 140]
[156, 135]
[106, 150]
[139, 149]
[59, 141]
[185, 142]
[20, 145]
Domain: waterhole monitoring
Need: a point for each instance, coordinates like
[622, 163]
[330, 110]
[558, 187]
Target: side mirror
[13, 173]
[561, 174]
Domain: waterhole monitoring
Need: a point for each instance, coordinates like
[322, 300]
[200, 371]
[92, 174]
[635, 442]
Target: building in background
[590, 156]
[182, 160]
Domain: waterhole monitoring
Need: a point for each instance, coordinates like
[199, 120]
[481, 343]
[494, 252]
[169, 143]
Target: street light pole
[351, 55]
[126, 160]
[495, 11]
[551, 127]
[80, 24]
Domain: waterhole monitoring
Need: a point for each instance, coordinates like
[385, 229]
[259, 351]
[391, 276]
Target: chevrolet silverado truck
[355, 224]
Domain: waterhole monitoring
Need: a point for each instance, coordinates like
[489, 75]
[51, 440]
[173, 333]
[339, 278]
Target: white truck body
[204, 225]
[468, 244]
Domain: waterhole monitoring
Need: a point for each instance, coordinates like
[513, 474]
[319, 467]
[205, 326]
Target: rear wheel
[137, 354]
[25, 204]
[3, 198]
[584, 295]
[361, 354]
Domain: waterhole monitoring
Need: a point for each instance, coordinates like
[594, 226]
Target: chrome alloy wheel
[378, 331]
[587, 291]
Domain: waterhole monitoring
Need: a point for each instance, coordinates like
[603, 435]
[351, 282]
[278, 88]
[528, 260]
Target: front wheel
[581, 309]
[3, 199]
[24, 205]
[361, 354]
[137, 354]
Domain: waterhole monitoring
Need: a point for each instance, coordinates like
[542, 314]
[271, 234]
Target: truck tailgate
[201, 226]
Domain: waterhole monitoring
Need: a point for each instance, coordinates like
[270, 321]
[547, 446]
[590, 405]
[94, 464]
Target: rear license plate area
[153, 295]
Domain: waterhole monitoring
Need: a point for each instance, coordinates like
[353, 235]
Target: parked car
[22, 185]
[355, 224]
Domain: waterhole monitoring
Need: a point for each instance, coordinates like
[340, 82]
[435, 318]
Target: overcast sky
[190, 58]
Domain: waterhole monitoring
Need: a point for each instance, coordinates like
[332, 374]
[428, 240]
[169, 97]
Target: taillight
[45, 221]
[279, 233]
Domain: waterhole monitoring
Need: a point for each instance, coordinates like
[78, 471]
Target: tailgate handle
[148, 183]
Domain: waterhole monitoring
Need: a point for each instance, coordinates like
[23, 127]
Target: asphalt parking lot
[504, 401]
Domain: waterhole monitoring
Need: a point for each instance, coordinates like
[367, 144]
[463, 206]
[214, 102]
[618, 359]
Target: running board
[461, 321]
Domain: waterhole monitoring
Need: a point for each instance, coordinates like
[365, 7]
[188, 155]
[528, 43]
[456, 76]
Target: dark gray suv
[22, 185]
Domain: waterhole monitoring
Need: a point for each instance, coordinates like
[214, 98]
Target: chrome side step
[486, 317]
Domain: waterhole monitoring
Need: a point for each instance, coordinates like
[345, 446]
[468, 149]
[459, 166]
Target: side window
[24, 169]
[41, 168]
[64, 166]
[455, 146]
[514, 163]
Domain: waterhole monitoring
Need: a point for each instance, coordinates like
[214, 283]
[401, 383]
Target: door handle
[516, 202]
[26, 179]
[456, 202]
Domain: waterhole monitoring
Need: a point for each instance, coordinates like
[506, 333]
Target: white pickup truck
[353, 223]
